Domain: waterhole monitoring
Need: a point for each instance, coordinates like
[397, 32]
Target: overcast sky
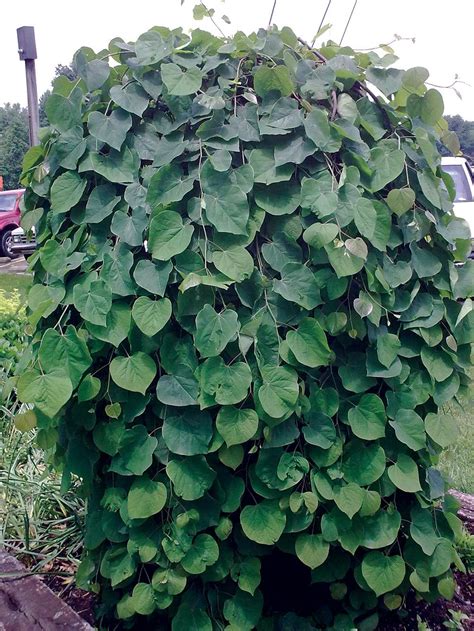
[444, 31]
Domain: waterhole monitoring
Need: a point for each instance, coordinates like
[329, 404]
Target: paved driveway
[13, 266]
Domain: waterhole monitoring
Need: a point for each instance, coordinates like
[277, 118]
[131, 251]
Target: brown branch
[334, 104]
[361, 87]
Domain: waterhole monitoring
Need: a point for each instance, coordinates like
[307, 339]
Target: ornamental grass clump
[248, 310]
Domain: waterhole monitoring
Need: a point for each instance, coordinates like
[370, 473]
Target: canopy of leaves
[247, 310]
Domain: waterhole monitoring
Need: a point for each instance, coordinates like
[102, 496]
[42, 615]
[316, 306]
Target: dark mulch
[434, 614]
[81, 602]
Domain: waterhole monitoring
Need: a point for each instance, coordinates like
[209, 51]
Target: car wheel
[6, 242]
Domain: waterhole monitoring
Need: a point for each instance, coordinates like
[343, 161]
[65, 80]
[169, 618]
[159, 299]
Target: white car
[461, 172]
[23, 243]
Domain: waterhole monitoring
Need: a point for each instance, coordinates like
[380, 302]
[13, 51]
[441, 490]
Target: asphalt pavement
[13, 266]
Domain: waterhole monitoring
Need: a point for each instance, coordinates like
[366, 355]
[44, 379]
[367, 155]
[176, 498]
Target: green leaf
[276, 79]
[279, 392]
[225, 200]
[69, 351]
[320, 234]
[151, 48]
[135, 452]
[168, 236]
[63, 113]
[25, 421]
[117, 565]
[194, 619]
[142, 600]
[101, 203]
[226, 384]
[167, 185]
[236, 425]
[181, 82]
[177, 390]
[293, 149]
[214, 330]
[236, 263]
[282, 198]
[443, 429]
[387, 163]
[151, 315]
[130, 228]
[48, 391]
[153, 276]
[432, 107]
[66, 192]
[249, 574]
[380, 529]
[265, 170]
[204, 552]
[110, 129]
[263, 523]
[347, 261]
[170, 580]
[308, 344]
[404, 474]
[365, 217]
[424, 262]
[387, 80]
[388, 346]
[364, 464]
[243, 610]
[130, 97]
[116, 166]
[117, 324]
[191, 477]
[409, 429]
[188, 433]
[93, 302]
[317, 128]
[367, 419]
[319, 430]
[298, 284]
[382, 573]
[437, 363]
[311, 550]
[349, 498]
[145, 498]
[134, 373]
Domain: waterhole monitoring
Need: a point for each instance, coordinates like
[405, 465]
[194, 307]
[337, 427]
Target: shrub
[248, 312]
[12, 331]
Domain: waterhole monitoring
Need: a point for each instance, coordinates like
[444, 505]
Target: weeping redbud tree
[248, 311]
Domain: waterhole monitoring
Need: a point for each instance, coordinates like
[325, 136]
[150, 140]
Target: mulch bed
[83, 603]
[433, 614]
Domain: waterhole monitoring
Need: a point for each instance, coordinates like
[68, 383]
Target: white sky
[444, 31]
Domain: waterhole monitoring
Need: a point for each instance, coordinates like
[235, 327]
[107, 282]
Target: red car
[9, 219]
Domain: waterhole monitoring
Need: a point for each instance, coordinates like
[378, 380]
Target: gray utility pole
[27, 52]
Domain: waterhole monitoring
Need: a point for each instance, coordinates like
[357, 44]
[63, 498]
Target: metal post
[27, 52]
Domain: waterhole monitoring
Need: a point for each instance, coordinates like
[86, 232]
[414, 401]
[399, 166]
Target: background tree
[14, 135]
[465, 131]
[60, 70]
[14, 142]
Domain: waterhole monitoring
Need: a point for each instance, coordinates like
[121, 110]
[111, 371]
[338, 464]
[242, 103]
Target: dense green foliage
[465, 132]
[12, 332]
[251, 396]
[14, 143]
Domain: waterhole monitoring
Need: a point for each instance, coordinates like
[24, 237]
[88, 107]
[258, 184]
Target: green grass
[10, 282]
[457, 462]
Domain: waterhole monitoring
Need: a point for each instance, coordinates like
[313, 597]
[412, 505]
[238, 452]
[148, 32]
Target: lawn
[10, 282]
[457, 462]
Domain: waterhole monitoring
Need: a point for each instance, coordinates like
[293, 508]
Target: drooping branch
[359, 86]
